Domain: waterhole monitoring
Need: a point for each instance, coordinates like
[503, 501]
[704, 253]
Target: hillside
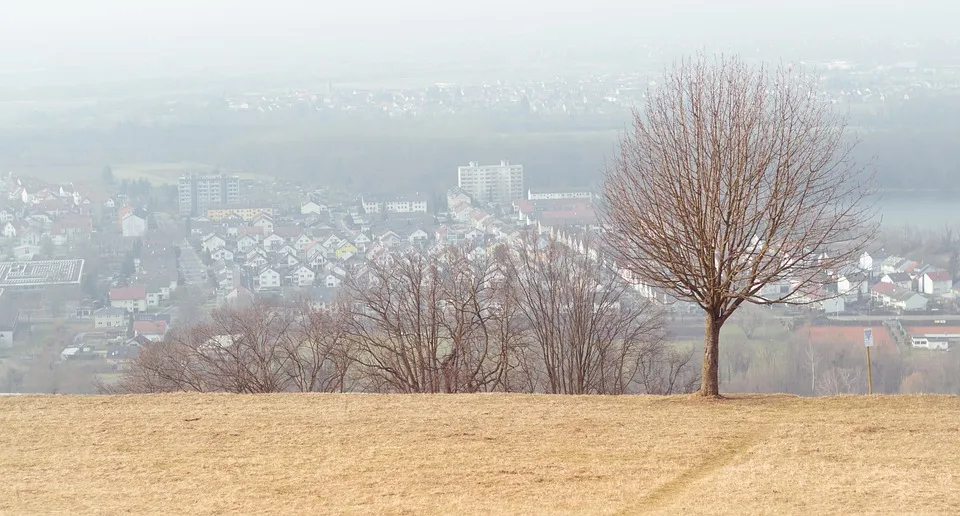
[484, 453]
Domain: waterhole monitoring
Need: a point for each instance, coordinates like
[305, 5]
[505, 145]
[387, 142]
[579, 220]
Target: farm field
[468, 454]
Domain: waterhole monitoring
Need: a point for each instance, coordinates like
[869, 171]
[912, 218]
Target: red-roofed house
[936, 282]
[153, 330]
[131, 299]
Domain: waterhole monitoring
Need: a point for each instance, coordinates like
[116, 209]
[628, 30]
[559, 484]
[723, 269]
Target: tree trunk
[709, 378]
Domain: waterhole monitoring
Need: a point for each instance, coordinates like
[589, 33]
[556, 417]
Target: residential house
[273, 242]
[361, 241]
[303, 276]
[302, 242]
[900, 279]
[222, 254]
[345, 250]
[239, 296]
[287, 260]
[30, 236]
[418, 237]
[332, 280]
[212, 243]
[890, 295]
[289, 234]
[110, 317]
[390, 239]
[151, 330]
[288, 249]
[131, 299]
[246, 242]
[133, 225]
[7, 215]
[11, 230]
[937, 283]
[268, 278]
[154, 298]
[265, 224]
[317, 259]
[314, 208]
[457, 196]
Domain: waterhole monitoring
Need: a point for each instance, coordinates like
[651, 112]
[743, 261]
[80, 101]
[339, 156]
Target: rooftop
[40, 273]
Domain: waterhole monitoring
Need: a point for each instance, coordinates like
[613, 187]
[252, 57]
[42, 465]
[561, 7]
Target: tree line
[537, 316]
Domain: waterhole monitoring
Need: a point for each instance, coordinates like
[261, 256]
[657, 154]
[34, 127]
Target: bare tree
[424, 322]
[750, 318]
[264, 347]
[735, 179]
[840, 380]
[590, 334]
[396, 323]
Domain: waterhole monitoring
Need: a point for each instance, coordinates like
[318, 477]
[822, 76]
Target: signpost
[867, 344]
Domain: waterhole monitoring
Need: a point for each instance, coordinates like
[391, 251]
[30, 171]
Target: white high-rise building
[197, 193]
[501, 183]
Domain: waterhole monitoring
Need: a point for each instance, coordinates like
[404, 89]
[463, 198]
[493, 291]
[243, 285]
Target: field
[326, 454]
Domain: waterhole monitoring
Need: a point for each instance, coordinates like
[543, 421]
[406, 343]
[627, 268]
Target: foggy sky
[65, 33]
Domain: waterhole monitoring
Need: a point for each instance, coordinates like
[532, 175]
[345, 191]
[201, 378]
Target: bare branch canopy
[736, 184]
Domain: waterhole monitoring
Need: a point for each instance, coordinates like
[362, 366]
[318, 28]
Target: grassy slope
[484, 453]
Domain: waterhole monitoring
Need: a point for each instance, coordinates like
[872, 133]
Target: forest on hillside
[911, 146]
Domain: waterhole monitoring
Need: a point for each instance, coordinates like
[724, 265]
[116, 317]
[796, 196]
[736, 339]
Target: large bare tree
[735, 179]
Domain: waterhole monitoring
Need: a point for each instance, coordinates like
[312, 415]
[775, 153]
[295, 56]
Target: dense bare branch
[733, 179]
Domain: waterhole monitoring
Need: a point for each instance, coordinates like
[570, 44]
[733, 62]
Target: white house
[10, 230]
[302, 242]
[274, 242]
[133, 225]
[370, 204]
[222, 254]
[264, 222]
[314, 208]
[269, 278]
[418, 236]
[304, 276]
[406, 205]
[256, 260]
[389, 239]
[889, 294]
[110, 317]
[245, 243]
[288, 260]
[213, 242]
[936, 283]
[332, 281]
[7, 215]
[131, 299]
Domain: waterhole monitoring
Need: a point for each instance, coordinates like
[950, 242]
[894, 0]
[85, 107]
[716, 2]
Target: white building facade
[501, 183]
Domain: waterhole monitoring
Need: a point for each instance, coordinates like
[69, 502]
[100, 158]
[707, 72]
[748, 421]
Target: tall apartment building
[198, 193]
[501, 183]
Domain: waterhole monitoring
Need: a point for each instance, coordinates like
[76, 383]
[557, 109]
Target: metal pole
[869, 374]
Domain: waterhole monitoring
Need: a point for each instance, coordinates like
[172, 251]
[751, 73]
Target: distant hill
[334, 454]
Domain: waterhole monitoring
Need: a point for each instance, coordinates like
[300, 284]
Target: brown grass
[325, 454]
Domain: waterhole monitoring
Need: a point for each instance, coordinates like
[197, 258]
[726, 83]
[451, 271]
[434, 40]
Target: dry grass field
[487, 454]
